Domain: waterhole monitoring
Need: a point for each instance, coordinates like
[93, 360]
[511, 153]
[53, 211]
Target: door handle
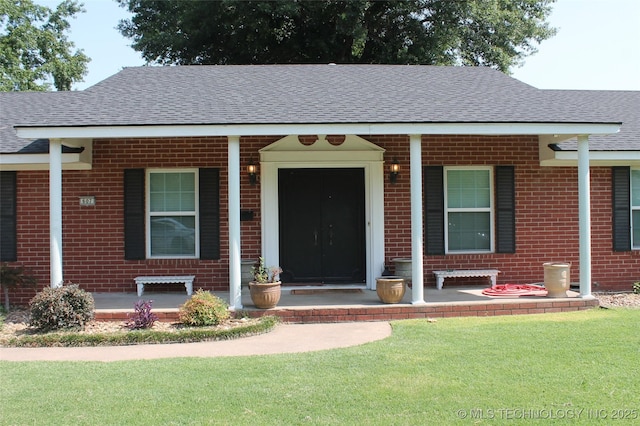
[315, 237]
[330, 235]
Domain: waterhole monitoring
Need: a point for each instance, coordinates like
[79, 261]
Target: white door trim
[354, 152]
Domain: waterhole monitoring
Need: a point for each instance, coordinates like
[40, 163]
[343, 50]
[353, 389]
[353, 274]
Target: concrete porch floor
[332, 305]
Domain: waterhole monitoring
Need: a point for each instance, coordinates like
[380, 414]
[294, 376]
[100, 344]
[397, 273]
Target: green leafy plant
[636, 287]
[66, 307]
[263, 275]
[142, 316]
[144, 336]
[204, 308]
[13, 277]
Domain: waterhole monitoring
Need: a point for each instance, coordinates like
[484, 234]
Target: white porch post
[55, 212]
[235, 295]
[417, 275]
[584, 203]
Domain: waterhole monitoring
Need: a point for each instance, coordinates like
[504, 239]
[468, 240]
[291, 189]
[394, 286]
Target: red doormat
[515, 290]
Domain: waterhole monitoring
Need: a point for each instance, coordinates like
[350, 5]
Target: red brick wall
[546, 213]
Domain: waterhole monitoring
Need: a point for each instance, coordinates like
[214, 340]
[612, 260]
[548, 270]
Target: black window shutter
[209, 213]
[505, 209]
[621, 208]
[434, 209]
[8, 222]
[134, 214]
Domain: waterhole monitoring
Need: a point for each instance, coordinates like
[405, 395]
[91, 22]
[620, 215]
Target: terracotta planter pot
[265, 296]
[390, 289]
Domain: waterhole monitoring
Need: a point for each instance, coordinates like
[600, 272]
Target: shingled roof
[624, 104]
[316, 94]
[16, 107]
[303, 94]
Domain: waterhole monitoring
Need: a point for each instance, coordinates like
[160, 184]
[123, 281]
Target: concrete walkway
[285, 338]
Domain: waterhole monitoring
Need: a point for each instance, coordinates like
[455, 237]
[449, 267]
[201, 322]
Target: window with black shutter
[176, 229]
[621, 208]
[459, 204]
[8, 217]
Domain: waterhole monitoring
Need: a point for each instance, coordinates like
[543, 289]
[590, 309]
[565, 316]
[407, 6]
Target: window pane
[172, 192]
[173, 235]
[469, 231]
[635, 188]
[636, 229]
[468, 188]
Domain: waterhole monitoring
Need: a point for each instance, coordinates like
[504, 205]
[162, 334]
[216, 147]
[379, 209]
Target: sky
[597, 46]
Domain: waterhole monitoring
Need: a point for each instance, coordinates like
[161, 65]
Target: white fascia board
[596, 158]
[319, 128]
[15, 162]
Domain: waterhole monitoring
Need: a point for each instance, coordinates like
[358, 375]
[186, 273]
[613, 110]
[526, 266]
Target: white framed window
[635, 209]
[172, 213]
[468, 202]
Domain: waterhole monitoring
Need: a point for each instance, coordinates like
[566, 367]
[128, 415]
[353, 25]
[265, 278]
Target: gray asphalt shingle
[301, 94]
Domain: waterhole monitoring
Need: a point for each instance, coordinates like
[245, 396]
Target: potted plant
[265, 287]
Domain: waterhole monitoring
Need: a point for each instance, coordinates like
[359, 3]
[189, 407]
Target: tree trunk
[6, 298]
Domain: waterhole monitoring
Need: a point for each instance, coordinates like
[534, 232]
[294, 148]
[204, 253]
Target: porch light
[394, 169]
[251, 171]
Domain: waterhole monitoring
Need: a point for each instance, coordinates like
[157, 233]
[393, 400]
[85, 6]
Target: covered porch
[419, 130]
[356, 303]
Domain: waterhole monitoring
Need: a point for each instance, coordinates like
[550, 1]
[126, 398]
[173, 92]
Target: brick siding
[93, 246]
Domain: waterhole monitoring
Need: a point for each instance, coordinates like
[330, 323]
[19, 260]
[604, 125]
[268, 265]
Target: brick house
[150, 175]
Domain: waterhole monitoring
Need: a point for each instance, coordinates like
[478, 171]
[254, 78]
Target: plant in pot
[265, 287]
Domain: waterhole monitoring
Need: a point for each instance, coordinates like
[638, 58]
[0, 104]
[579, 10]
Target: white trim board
[562, 131]
[322, 155]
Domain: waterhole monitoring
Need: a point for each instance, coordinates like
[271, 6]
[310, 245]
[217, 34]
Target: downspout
[55, 212]
[417, 275]
[235, 291]
[584, 203]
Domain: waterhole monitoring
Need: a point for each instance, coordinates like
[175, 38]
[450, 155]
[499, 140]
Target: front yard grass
[568, 367]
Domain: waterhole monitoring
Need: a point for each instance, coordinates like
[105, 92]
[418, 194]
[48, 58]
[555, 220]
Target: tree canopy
[496, 33]
[34, 48]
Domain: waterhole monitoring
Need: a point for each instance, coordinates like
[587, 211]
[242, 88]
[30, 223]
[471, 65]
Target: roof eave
[14, 162]
[563, 131]
[596, 158]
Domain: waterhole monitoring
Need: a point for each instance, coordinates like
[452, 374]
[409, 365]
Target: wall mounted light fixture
[394, 170]
[251, 171]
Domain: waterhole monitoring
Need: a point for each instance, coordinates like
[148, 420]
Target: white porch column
[235, 295]
[584, 203]
[55, 212]
[417, 275]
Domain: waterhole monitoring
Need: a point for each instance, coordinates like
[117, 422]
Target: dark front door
[322, 225]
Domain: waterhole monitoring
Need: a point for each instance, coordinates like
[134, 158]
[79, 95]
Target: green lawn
[571, 367]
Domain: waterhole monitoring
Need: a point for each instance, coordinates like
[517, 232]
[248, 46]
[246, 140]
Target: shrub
[204, 308]
[636, 287]
[12, 277]
[142, 316]
[63, 307]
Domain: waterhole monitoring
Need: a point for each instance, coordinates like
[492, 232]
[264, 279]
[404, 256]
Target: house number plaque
[87, 200]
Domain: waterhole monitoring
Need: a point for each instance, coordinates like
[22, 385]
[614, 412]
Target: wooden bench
[453, 273]
[187, 280]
